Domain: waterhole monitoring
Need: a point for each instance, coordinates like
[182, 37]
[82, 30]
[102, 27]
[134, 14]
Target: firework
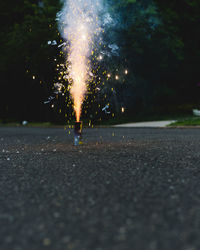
[79, 26]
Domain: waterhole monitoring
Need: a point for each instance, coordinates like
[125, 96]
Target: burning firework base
[78, 133]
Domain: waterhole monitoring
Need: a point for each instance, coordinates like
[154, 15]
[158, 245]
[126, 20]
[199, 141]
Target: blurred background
[153, 72]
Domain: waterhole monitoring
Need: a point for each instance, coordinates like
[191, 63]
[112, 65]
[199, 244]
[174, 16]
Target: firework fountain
[79, 27]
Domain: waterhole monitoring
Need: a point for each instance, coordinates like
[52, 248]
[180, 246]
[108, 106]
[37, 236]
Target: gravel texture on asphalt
[124, 189]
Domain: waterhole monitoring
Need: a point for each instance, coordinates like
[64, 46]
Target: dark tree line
[159, 45]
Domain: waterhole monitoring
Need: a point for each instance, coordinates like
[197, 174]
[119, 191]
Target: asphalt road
[124, 189]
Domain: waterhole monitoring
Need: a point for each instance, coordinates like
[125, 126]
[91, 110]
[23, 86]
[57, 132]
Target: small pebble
[46, 242]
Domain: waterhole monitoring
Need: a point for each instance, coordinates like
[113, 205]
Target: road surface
[124, 189]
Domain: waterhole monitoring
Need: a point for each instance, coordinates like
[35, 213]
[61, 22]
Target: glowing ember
[79, 21]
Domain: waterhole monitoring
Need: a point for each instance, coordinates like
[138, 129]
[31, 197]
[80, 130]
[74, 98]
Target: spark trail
[79, 26]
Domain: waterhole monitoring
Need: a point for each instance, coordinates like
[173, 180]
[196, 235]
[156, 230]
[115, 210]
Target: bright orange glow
[79, 69]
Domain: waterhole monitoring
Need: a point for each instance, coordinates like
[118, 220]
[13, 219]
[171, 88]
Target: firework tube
[78, 133]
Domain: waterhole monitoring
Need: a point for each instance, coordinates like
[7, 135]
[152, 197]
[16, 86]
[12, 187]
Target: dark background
[159, 45]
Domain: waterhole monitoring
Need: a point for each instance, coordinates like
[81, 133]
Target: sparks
[79, 25]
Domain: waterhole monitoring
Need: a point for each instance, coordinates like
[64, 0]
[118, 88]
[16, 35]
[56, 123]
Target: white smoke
[79, 12]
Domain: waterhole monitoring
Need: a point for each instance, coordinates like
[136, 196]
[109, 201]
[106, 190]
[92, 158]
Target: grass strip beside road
[187, 121]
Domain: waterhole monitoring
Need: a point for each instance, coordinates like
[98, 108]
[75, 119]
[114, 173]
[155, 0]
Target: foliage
[24, 55]
[158, 41]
